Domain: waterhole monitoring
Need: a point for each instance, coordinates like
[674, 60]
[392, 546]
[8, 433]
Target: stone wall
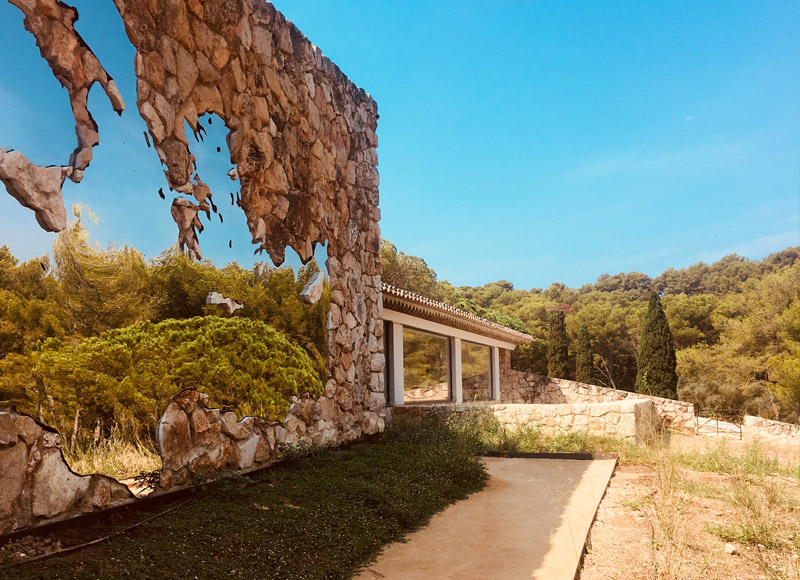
[37, 486]
[635, 420]
[770, 432]
[520, 387]
[476, 387]
[194, 439]
[302, 140]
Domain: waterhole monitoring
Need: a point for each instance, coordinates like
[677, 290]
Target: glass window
[475, 376]
[425, 362]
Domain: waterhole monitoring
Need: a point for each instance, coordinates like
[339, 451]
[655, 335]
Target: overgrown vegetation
[115, 456]
[97, 341]
[318, 517]
[735, 326]
[124, 378]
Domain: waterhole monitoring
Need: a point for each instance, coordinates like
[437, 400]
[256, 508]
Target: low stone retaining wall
[519, 387]
[194, 439]
[771, 432]
[635, 420]
[37, 485]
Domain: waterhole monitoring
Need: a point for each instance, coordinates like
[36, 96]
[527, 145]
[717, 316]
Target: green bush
[125, 377]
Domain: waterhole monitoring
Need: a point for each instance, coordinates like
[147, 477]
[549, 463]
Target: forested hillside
[735, 325]
[97, 341]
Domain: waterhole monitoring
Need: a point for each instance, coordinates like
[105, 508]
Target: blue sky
[535, 142]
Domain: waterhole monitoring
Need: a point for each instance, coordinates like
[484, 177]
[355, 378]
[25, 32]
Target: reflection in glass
[476, 382]
[425, 358]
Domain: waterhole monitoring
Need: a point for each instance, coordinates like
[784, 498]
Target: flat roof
[399, 300]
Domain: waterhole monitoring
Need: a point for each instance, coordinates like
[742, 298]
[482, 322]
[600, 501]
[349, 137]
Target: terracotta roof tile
[397, 299]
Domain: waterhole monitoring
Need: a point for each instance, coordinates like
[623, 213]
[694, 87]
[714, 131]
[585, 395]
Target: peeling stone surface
[37, 188]
[77, 68]
[229, 303]
[301, 137]
[37, 486]
[313, 290]
[302, 141]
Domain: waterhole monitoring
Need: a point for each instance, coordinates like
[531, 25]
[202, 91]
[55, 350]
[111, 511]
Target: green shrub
[124, 378]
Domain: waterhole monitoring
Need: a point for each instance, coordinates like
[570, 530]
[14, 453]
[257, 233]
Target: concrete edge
[579, 568]
[577, 456]
[580, 456]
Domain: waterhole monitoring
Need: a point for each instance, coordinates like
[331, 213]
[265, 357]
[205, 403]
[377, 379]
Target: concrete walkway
[531, 521]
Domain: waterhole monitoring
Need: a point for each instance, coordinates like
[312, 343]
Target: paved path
[531, 521]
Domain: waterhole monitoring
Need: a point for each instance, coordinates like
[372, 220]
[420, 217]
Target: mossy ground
[318, 517]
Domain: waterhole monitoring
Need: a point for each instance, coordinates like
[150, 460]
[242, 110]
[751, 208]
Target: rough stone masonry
[301, 136]
[302, 141]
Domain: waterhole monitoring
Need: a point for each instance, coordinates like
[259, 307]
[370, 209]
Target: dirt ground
[644, 531]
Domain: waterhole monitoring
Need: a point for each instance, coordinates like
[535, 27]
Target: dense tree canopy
[735, 326]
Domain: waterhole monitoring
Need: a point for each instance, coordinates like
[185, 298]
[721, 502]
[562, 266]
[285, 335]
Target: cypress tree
[584, 360]
[556, 345]
[656, 375]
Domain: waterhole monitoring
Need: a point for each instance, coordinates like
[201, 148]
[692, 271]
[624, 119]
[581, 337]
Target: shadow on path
[531, 521]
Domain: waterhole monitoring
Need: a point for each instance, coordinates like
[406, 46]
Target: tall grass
[116, 456]
[755, 484]
[483, 433]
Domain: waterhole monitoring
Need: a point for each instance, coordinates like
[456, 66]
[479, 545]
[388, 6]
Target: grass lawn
[318, 517]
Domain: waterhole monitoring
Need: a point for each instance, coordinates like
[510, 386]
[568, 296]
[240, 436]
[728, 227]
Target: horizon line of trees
[734, 326]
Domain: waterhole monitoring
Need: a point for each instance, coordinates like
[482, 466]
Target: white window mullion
[456, 378]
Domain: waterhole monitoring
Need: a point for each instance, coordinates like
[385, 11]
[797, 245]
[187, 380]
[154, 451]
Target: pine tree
[556, 345]
[656, 375]
[584, 359]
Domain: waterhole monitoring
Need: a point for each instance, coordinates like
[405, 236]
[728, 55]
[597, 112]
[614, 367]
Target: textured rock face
[194, 440]
[301, 136]
[635, 420]
[519, 387]
[37, 188]
[77, 69]
[36, 485]
[313, 290]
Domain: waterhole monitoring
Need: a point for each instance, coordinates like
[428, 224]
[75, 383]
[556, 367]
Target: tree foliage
[656, 375]
[584, 359]
[125, 377]
[50, 314]
[733, 327]
[408, 272]
[557, 361]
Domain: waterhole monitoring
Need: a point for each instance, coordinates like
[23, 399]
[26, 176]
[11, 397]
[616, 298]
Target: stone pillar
[455, 370]
[396, 384]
